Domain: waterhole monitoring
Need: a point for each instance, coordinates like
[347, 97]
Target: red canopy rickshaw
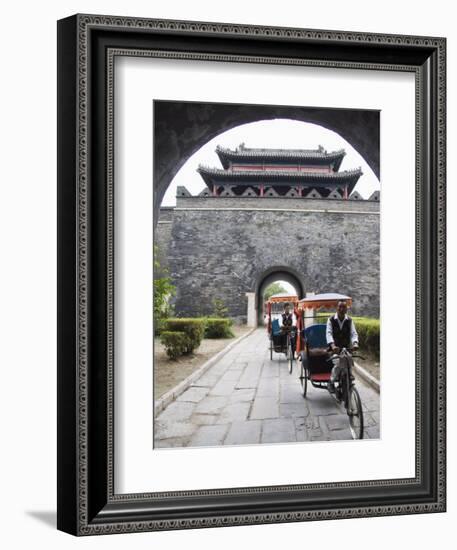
[317, 362]
[280, 341]
[317, 301]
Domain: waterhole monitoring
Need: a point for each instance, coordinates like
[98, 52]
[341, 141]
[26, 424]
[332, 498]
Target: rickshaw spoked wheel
[355, 413]
[290, 355]
[303, 379]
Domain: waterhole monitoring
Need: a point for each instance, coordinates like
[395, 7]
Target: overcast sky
[278, 133]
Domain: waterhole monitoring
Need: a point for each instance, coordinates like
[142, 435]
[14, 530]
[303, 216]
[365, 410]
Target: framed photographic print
[251, 274]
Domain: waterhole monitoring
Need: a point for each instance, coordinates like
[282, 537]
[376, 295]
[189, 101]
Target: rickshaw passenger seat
[275, 327]
[315, 336]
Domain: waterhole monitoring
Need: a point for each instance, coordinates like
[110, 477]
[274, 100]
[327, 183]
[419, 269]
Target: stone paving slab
[199, 419]
[167, 430]
[211, 405]
[194, 394]
[168, 443]
[207, 380]
[268, 387]
[223, 387]
[321, 403]
[301, 433]
[177, 411]
[265, 407]
[291, 393]
[239, 395]
[209, 435]
[244, 433]
[287, 410]
[234, 412]
[246, 398]
[278, 430]
[335, 422]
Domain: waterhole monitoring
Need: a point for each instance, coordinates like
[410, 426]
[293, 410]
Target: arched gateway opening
[291, 282]
[183, 128]
[225, 239]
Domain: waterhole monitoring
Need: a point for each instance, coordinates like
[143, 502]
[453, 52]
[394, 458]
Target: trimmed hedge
[175, 343]
[192, 328]
[158, 326]
[369, 331]
[218, 327]
[321, 318]
[183, 336]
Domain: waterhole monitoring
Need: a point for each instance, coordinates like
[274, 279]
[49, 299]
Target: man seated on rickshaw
[341, 333]
[287, 321]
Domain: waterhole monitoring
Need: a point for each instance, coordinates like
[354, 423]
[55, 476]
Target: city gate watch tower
[280, 173]
[263, 214]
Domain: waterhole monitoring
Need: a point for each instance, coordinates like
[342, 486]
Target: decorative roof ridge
[241, 150]
[220, 171]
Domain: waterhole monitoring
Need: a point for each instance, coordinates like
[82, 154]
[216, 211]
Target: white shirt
[329, 332]
[279, 317]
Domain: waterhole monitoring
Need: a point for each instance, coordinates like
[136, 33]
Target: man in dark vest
[341, 333]
[287, 321]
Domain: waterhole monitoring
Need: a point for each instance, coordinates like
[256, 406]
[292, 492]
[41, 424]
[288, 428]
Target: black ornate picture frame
[87, 47]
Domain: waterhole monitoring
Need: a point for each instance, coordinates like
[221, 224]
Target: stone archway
[182, 128]
[277, 273]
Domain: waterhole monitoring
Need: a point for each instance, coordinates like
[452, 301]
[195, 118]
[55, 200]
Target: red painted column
[214, 190]
[345, 193]
[261, 190]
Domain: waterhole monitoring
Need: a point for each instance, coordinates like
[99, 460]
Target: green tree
[274, 288]
[219, 308]
[164, 289]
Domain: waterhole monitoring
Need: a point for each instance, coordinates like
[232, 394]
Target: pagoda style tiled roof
[217, 174]
[315, 156]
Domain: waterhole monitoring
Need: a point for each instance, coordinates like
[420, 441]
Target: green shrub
[158, 326]
[218, 328]
[321, 318]
[192, 328]
[163, 290]
[220, 310]
[175, 343]
[369, 331]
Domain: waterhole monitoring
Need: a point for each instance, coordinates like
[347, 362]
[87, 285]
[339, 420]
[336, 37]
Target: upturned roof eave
[276, 175]
[227, 155]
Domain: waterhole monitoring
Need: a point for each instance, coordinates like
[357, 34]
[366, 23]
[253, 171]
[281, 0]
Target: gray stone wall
[162, 238]
[222, 248]
[275, 203]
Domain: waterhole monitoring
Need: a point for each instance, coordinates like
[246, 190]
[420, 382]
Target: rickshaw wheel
[290, 356]
[355, 413]
[303, 380]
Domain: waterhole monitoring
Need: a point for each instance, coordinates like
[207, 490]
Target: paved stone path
[246, 398]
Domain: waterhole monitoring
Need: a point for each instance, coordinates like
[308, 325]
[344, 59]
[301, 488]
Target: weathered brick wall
[222, 247]
[162, 238]
[277, 203]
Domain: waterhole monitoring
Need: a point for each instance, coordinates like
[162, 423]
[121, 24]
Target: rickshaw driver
[287, 322]
[341, 333]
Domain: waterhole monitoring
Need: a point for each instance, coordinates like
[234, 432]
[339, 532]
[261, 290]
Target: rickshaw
[317, 362]
[281, 341]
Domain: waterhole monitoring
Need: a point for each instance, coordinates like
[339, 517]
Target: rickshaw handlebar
[335, 355]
